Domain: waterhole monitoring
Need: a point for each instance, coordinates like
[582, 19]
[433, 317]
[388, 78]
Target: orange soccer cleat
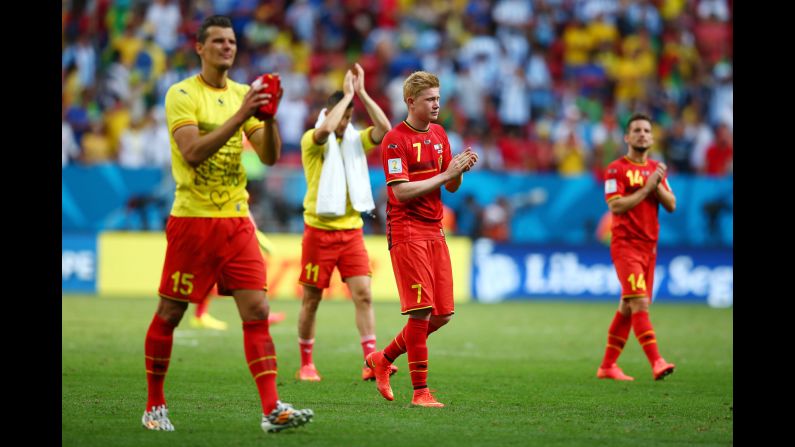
[308, 373]
[381, 370]
[424, 398]
[613, 372]
[661, 369]
[369, 374]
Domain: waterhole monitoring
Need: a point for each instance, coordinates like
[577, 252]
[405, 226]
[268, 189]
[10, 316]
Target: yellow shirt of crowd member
[215, 188]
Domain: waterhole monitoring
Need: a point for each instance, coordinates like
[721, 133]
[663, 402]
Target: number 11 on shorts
[419, 291]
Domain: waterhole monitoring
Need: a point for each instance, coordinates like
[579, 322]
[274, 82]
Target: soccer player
[634, 187]
[210, 236]
[336, 241]
[417, 161]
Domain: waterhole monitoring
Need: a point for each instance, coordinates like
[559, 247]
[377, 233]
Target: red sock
[645, 335]
[305, 346]
[368, 345]
[157, 353]
[261, 358]
[616, 338]
[201, 307]
[397, 347]
[416, 337]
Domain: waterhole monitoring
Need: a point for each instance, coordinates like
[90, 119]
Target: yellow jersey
[217, 187]
[312, 159]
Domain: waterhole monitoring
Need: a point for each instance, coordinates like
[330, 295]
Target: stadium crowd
[532, 86]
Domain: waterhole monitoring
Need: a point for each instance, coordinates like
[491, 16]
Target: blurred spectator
[713, 8]
[678, 145]
[608, 143]
[713, 39]
[70, 150]
[721, 104]
[514, 96]
[469, 217]
[490, 156]
[543, 155]
[448, 220]
[132, 146]
[301, 16]
[83, 55]
[116, 79]
[639, 15]
[146, 143]
[702, 136]
[163, 16]
[96, 144]
[569, 155]
[517, 13]
[497, 220]
[577, 44]
[539, 82]
[720, 155]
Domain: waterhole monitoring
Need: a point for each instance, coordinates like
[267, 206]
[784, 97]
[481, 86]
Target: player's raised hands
[459, 164]
[358, 79]
[347, 83]
[658, 174]
[472, 158]
[257, 96]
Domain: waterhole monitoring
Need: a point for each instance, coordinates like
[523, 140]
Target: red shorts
[424, 276]
[322, 250]
[202, 251]
[634, 261]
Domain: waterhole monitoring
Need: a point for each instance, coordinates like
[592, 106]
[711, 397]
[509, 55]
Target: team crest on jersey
[427, 141]
[610, 186]
[391, 146]
[395, 165]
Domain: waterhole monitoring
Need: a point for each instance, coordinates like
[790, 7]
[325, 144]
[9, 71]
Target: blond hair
[417, 82]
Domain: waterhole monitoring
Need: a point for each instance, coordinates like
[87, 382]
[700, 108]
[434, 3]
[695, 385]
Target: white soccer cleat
[157, 419]
[284, 416]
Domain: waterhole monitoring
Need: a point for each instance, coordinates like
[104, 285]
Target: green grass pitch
[510, 374]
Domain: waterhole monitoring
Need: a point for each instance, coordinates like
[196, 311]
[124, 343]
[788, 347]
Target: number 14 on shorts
[640, 284]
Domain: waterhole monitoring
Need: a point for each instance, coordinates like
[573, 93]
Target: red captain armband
[273, 85]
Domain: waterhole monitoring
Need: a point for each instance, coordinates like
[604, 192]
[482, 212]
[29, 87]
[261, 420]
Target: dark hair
[636, 117]
[221, 21]
[335, 98]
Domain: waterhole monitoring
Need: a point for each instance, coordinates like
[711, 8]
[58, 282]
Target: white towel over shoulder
[344, 173]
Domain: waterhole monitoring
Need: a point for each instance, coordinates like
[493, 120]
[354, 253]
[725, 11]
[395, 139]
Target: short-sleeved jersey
[217, 187]
[312, 159]
[410, 155]
[622, 178]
